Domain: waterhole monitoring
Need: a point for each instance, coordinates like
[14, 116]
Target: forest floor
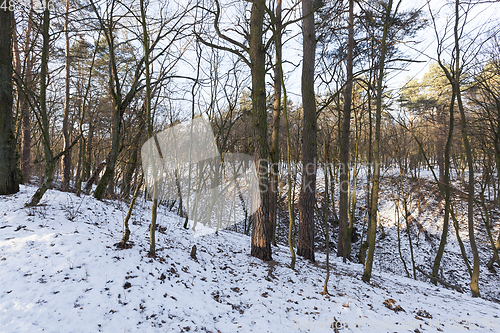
[61, 272]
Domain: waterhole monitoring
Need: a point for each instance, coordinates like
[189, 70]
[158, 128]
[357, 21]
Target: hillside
[60, 271]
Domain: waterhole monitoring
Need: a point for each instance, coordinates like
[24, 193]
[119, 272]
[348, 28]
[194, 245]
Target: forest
[370, 131]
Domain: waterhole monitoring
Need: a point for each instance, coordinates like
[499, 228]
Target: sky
[481, 17]
[424, 50]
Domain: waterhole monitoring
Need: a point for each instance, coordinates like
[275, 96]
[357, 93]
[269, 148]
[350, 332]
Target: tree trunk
[9, 182]
[275, 145]
[376, 151]
[87, 167]
[113, 155]
[307, 199]
[149, 122]
[127, 178]
[261, 237]
[23, 101]
[66, 159]
[91, 180]
[447, 193]
[495, 256]
[344, 244]
[49, 157]
[364, 245]
[291, 215]
[440, 143]
[25, 107]
[326, 218]
[126, 230]
[474, 284]
[497, 162]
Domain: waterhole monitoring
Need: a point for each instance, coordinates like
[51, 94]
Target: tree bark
[291, 215]
[149, 122]
[261, 237]
[307, 199]
[44, 120]
[440, 143]
[25, 107]
[474, 284]
[344, 244]
[113, 155]
[127, 177]
[126, 230]
[497, 162]
[376, 151]
[9, 182]
[66, 160]
[326, 218]
[275, 146]
[447, 193]
[22, 97]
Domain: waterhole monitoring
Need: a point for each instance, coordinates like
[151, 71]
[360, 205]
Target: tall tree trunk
[261, 237]
[326, 218]
[275, 145]
[364, 245]
[344, 244]
[307, 199]
[9, 182]
[87, 167]
[17, 67]
[25, 106]
[290, 198]
[447, 193]
[66, 159]
[44, 120]
[474, 284]
[376, 150]
[149, 122]
[22, 97]
[440, 143]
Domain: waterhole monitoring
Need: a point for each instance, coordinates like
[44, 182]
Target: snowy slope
[60, 272]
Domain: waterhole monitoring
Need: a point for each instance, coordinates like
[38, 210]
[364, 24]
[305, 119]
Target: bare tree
[388, 18]
[42, 117]
[454, 75]
[256, 51]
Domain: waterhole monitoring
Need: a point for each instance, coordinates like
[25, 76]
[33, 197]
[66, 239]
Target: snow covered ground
[60, 272]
